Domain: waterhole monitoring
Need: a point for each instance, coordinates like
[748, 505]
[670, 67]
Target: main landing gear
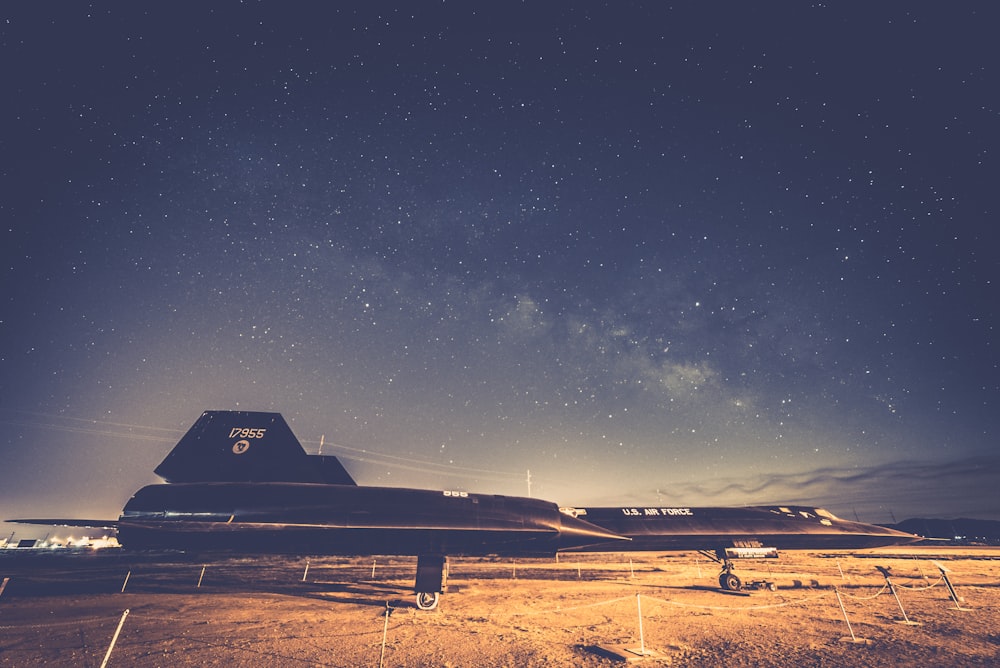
[430, 580]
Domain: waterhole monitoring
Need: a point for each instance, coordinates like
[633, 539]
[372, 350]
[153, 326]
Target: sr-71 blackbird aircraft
[239, 481]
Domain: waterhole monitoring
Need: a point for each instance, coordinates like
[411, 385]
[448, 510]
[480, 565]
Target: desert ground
[586, 610]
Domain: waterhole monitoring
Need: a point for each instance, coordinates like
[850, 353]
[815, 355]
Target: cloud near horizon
[861, 490]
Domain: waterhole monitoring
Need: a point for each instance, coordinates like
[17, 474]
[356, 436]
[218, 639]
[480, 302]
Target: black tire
[730, 582]
[427, 600]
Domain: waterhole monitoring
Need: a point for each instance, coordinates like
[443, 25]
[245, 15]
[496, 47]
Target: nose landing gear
[729, 581]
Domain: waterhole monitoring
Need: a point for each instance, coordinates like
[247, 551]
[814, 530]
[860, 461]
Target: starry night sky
[713, 254]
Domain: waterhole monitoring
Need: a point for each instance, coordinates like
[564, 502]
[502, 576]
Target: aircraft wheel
[730, 582]
[772, 587]
[427, 600]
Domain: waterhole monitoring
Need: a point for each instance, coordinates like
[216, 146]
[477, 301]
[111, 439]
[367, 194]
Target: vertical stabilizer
[246, 446]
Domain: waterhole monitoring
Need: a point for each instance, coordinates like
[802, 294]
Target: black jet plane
[724, 534]
[239, 481]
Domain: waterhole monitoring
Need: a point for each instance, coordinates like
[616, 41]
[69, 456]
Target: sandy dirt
[251, 612]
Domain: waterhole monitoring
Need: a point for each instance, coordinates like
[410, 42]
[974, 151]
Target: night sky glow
[718, 254]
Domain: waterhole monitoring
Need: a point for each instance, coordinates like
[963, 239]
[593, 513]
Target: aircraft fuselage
[309, 518]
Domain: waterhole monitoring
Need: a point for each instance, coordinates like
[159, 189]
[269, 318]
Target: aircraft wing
[71, 522]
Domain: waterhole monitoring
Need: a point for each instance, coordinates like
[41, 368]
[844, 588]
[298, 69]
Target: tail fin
[247, 446]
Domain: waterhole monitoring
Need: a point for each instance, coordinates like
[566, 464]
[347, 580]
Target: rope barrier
[867, 598]
[155, 619]
[678, 604]
[930, 586]
[742, 607]
[52, 625]
[575, 607]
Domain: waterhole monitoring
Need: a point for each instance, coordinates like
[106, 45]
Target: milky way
[702, 256]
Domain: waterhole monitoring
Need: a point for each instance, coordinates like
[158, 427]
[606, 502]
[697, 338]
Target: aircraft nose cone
[901, 537]
[879, 536]
[575, 532]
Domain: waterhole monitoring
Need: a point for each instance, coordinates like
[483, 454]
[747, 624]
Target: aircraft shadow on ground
[51, 579]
